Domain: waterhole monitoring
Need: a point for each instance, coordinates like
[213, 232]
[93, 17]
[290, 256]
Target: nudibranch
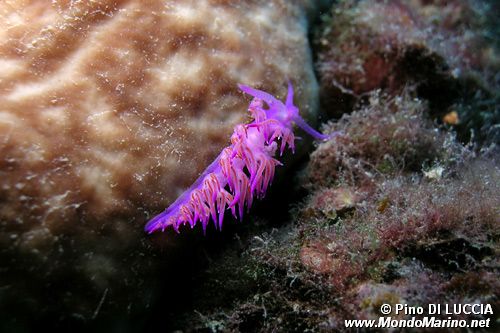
[243, 170]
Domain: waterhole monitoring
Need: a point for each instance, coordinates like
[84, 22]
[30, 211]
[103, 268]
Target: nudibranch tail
[242, 171]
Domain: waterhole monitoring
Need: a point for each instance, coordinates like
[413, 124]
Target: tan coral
[108, 110]
[116, 105]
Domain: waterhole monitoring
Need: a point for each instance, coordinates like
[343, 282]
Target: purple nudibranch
[243, 170]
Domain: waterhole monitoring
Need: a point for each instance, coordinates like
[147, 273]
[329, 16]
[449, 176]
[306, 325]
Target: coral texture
[105, 104]
[246, 167]
[109, 108]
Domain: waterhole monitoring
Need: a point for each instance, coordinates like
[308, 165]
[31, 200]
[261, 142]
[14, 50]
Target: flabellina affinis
[242, 171]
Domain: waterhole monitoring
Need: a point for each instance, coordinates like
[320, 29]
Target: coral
[114, 106]
[109, 109]
[245, 168]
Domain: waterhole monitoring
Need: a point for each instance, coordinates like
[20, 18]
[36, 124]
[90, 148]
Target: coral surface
[109, 109]
[112, 106]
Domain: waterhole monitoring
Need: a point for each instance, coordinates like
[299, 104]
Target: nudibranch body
[243, 170]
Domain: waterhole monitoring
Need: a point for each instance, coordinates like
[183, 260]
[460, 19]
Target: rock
[443, 49]
[331, 202]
